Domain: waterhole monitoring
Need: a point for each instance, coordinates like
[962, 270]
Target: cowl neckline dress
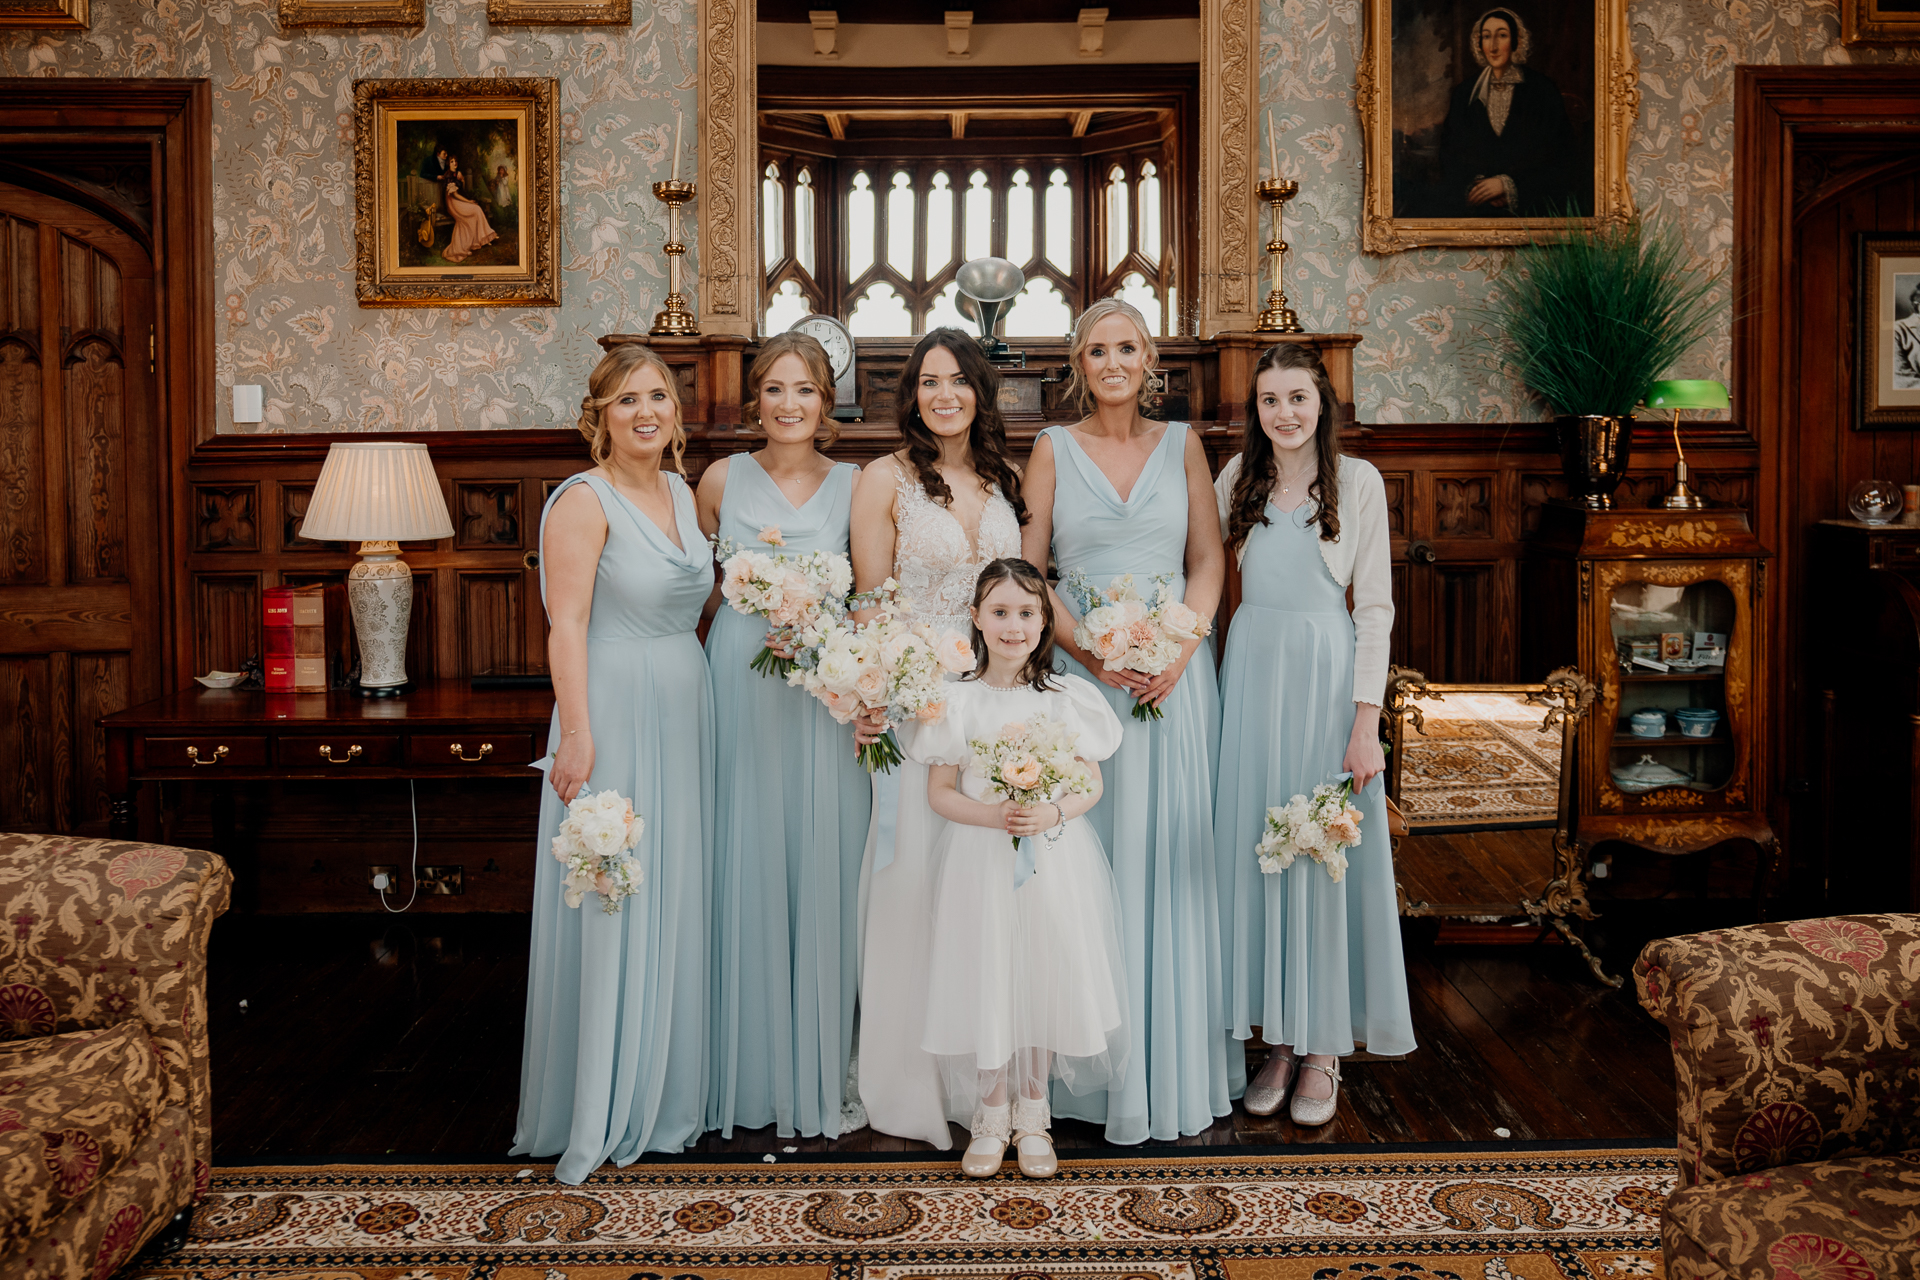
[614, 1062]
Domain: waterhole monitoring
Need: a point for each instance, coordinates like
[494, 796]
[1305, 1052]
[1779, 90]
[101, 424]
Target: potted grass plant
[1588, 323]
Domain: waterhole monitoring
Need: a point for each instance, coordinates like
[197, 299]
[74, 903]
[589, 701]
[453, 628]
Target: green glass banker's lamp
[1686, 393]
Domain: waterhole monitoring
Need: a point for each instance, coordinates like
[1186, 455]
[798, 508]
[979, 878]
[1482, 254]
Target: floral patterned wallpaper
[283, 201]
[283, 191]
[1413, 308]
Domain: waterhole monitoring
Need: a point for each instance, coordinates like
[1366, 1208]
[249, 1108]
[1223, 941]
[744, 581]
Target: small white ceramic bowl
[221, 679]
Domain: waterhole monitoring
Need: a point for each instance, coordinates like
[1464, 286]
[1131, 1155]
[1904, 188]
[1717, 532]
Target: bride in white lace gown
[931, 516]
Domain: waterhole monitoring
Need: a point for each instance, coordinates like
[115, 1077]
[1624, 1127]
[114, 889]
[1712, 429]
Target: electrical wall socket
[392, 874]
[443, 880]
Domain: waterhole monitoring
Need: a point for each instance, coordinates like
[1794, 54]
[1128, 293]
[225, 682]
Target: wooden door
[79, 528]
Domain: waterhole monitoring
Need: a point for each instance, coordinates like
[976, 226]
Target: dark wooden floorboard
[369, 1035]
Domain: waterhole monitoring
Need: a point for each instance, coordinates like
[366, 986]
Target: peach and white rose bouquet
[887, 664]
[596, 843]
[1322, 826]
[1127, 632]
[799, 594]
[1031, 761]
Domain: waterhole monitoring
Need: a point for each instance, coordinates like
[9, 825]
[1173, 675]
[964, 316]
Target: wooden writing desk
[439, 729]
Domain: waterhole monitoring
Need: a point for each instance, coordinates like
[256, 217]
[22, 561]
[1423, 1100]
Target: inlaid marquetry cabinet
[1665, 612]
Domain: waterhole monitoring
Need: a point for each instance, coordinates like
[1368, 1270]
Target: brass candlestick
[676, 320]
[1278, 317]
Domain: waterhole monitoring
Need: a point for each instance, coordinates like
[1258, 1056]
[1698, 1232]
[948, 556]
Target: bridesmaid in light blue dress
[793, 802]
[1315, 965]
[1119, 493]
[615, 1059]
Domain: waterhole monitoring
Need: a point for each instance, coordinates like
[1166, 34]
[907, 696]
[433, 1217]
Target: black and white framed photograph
[1887, 332]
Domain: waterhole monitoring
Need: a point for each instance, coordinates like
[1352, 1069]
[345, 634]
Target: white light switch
[247, 404]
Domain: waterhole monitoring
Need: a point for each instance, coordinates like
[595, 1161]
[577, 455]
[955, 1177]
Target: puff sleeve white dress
[1029, 981]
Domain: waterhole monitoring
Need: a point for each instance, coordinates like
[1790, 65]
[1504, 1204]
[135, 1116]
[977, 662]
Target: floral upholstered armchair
[104, 1105]
[1796, 1054]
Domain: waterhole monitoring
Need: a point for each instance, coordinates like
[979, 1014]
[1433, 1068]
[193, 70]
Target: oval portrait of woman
[1483, 127]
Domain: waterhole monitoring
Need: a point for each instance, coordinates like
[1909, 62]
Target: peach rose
[1108, 645]
[1180, 622]
[1344, 830]
[933, 713]
[1014, 731]
[871, 685]
[954, 654]
[772, 537]
[1022, 773]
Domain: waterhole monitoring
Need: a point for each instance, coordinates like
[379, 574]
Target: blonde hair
[819, 368]
[1079, 392]
[603, 388]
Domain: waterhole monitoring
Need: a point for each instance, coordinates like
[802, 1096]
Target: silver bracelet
[1059, 828]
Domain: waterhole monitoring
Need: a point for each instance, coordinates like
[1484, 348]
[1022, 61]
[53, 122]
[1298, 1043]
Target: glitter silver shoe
[1263, 1099]
[1317, 1111]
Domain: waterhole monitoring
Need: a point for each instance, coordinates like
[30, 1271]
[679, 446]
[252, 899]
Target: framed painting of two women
[455, 196]
[1493, 124]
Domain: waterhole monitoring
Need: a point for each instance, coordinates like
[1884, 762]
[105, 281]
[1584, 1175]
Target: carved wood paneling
[492, 621]
[293, 511]
[226, 517]
[22, 512]
[102, 685]
[226, 616]
[488, 514]
[423, 648]
[1535, 492]
[26, 802]
[1397, 484]
[1463, 506]
[94, 368]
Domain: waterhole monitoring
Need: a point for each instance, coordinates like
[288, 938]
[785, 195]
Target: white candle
[1273, 152]
[677, 120]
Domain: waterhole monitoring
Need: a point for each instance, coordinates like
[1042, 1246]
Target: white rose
[838, 670]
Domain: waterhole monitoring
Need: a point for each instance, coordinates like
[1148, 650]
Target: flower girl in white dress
[1027, 982]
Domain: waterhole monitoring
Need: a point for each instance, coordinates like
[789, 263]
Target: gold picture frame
[455, 199]
[1875, 22]
[559, 13]
[1886, 336]
[46, 15]
[1424, 146]
[352, 13]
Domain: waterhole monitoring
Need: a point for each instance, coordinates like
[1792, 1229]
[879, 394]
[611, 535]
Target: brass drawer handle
[486, 749]
[193, 754]
[326, 753]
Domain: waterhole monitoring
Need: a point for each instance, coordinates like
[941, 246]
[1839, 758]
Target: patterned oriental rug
[1405, 1214]
[1482, 763]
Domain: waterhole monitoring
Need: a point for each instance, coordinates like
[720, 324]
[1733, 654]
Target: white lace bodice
[932, 562]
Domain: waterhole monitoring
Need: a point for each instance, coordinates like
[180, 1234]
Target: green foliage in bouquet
[1589, 322]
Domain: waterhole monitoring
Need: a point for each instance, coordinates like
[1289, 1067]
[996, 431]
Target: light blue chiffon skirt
[789, 830]
[1155, 820]
[1313, 964]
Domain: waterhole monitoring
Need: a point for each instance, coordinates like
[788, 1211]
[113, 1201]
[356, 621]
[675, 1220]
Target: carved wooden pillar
[728, 300]
[1229, 86]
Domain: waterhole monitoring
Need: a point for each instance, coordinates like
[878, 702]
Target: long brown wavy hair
[988, 437]
[1260, 471]
[819, 368]
[1037, 672]
[603, 388]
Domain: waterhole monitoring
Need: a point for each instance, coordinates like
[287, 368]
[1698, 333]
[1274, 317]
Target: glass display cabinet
[1665, 612]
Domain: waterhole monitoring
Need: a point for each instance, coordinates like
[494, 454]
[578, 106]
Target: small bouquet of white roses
[1032, 761]
[1322, 826]
[1128, 633]
[797, 594]
[885, 664]
[596, 843]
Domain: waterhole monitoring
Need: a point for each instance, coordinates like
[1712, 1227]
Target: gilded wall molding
[728, 244]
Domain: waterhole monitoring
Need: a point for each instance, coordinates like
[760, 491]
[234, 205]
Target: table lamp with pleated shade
[1685, 393]
[379, 494]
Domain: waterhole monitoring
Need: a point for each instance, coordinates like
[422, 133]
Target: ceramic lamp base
[380, 594]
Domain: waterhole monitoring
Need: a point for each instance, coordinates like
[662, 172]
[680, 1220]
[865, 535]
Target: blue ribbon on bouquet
[886, 817]
[1023, 861]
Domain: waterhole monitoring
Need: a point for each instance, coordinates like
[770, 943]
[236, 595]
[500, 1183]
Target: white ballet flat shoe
[1265, 1099]
[1316, 1111]
[992, 1128]
[1032, 1146]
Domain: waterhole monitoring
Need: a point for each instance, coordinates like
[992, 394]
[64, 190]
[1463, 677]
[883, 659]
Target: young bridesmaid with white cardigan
[1314, 964]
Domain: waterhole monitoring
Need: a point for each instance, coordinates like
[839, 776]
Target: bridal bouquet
[1128, 633]
[797, 594]
[596, 844]
[1322, 826]
[886, 664]
[1031, 762]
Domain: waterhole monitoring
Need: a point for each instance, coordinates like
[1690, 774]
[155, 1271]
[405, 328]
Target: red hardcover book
[277, 606]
